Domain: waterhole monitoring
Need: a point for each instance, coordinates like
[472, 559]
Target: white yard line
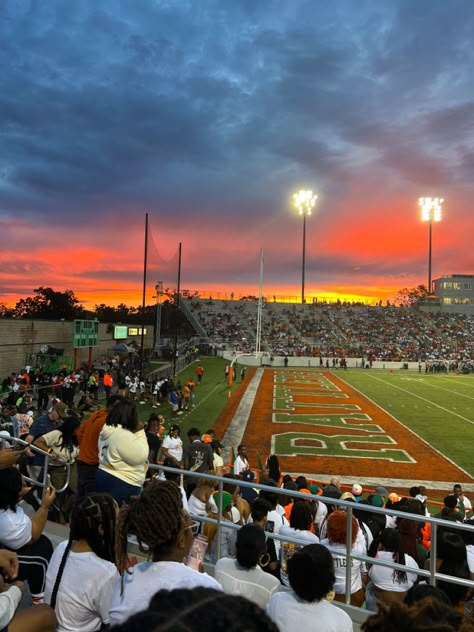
[406, 427]
[422, 398]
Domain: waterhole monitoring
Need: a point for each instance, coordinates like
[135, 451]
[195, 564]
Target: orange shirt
[108, 381]
[88, 435]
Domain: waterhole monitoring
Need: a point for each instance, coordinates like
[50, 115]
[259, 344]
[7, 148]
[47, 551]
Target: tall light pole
[431, 211]
[304, 202]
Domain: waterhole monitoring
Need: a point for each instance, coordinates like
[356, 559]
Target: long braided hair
[155, 518]
[96, 510]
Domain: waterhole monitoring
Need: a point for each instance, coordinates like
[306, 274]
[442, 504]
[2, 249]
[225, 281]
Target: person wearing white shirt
[306, 607]
[243, 576]
[387, 547]
[300, 525]
[172, 446]
[241, 463]
[82, 573]
[123, 453]
[160, 524]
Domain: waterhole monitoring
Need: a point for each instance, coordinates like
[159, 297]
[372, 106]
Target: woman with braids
[386, 583]
[123, 453]
[82, 573]
[162, 528]
[196, 610]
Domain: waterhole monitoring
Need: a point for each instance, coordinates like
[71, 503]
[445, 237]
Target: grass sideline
[437, 407]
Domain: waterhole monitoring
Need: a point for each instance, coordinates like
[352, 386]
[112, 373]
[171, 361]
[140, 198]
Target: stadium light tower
[304, 202]
[431, 211]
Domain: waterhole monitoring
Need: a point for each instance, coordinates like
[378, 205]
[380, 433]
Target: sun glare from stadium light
[431, 209]
[304, 201]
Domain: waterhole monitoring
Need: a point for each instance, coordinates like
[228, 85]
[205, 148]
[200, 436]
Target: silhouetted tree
[48, 305]
[410, 296]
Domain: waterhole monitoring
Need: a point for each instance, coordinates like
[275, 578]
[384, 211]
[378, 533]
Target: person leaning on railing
[20, 533]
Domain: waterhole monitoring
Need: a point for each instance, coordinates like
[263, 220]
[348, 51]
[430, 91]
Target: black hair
[124, 413]
[414, 491]
[250, 545]
[311, 572]
[155, 518]
[391, 541]
[301, 516]
[192, 610]
[452, 552]
[113, 399]
[173, 428]
[301, 482]
[271, 497]
[260, 508]
[194, 432]
[171, 476]
[68, 430]
[273, 466]
[229, 486]
[94, 511]
[421, 591]
[11, 484]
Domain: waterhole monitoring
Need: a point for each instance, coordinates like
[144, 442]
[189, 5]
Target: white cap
[357, 489]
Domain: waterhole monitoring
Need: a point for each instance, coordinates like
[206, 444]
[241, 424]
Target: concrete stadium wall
[305, 361]
[20, 337]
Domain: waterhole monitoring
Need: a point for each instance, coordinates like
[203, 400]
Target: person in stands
[20, 533]
[336, 539]
[386, 583]
[172, 446]
[241, 463]
[243, 575]
[301, 520]
[163, 530]
[123, 452]
[88, 457]
[82, 572]
[311, 577]
[197, 609]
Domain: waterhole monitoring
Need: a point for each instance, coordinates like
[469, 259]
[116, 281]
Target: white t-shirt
[53, 440]
[124, 454]
[278, 521]
[340, 568]
[146, 579]
[9, 602]
[470, 557]
[174, 445]
[288, 549]
[240, 465]
[218, 461]
[252, 583]
[15, 528]
[290, 613]
[85, 592]
[382, 576]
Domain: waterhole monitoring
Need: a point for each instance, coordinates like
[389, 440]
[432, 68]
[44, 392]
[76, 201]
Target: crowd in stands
[279, 561]
[385, 333]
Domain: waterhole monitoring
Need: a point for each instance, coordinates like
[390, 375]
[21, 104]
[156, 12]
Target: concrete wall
[278, 361]
[20, 337]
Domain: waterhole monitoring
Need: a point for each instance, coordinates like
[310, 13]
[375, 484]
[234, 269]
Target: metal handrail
[47, 459]
[430, 575]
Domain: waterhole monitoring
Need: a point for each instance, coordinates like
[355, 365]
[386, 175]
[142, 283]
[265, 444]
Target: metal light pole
[304, 202]
[158, 296]
[431, 211]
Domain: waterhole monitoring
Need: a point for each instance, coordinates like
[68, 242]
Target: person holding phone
[163, 528]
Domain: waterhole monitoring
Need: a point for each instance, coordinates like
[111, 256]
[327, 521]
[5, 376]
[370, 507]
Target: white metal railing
[431, 575]
[43, 484]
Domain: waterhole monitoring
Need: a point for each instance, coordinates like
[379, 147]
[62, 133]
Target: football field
[437, 407]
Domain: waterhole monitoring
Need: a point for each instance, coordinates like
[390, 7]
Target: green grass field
[439, 408]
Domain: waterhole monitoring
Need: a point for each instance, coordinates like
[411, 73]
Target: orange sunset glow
[368, 106]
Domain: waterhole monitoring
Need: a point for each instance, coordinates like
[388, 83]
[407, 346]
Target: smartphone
[48, 482]
[197, 552]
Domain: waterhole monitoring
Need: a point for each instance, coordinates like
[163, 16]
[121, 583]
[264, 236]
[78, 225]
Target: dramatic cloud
[208, 115]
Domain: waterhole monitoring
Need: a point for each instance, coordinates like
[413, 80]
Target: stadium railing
[431, 575]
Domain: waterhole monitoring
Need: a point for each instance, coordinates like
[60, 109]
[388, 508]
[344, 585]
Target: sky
[208, 115]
